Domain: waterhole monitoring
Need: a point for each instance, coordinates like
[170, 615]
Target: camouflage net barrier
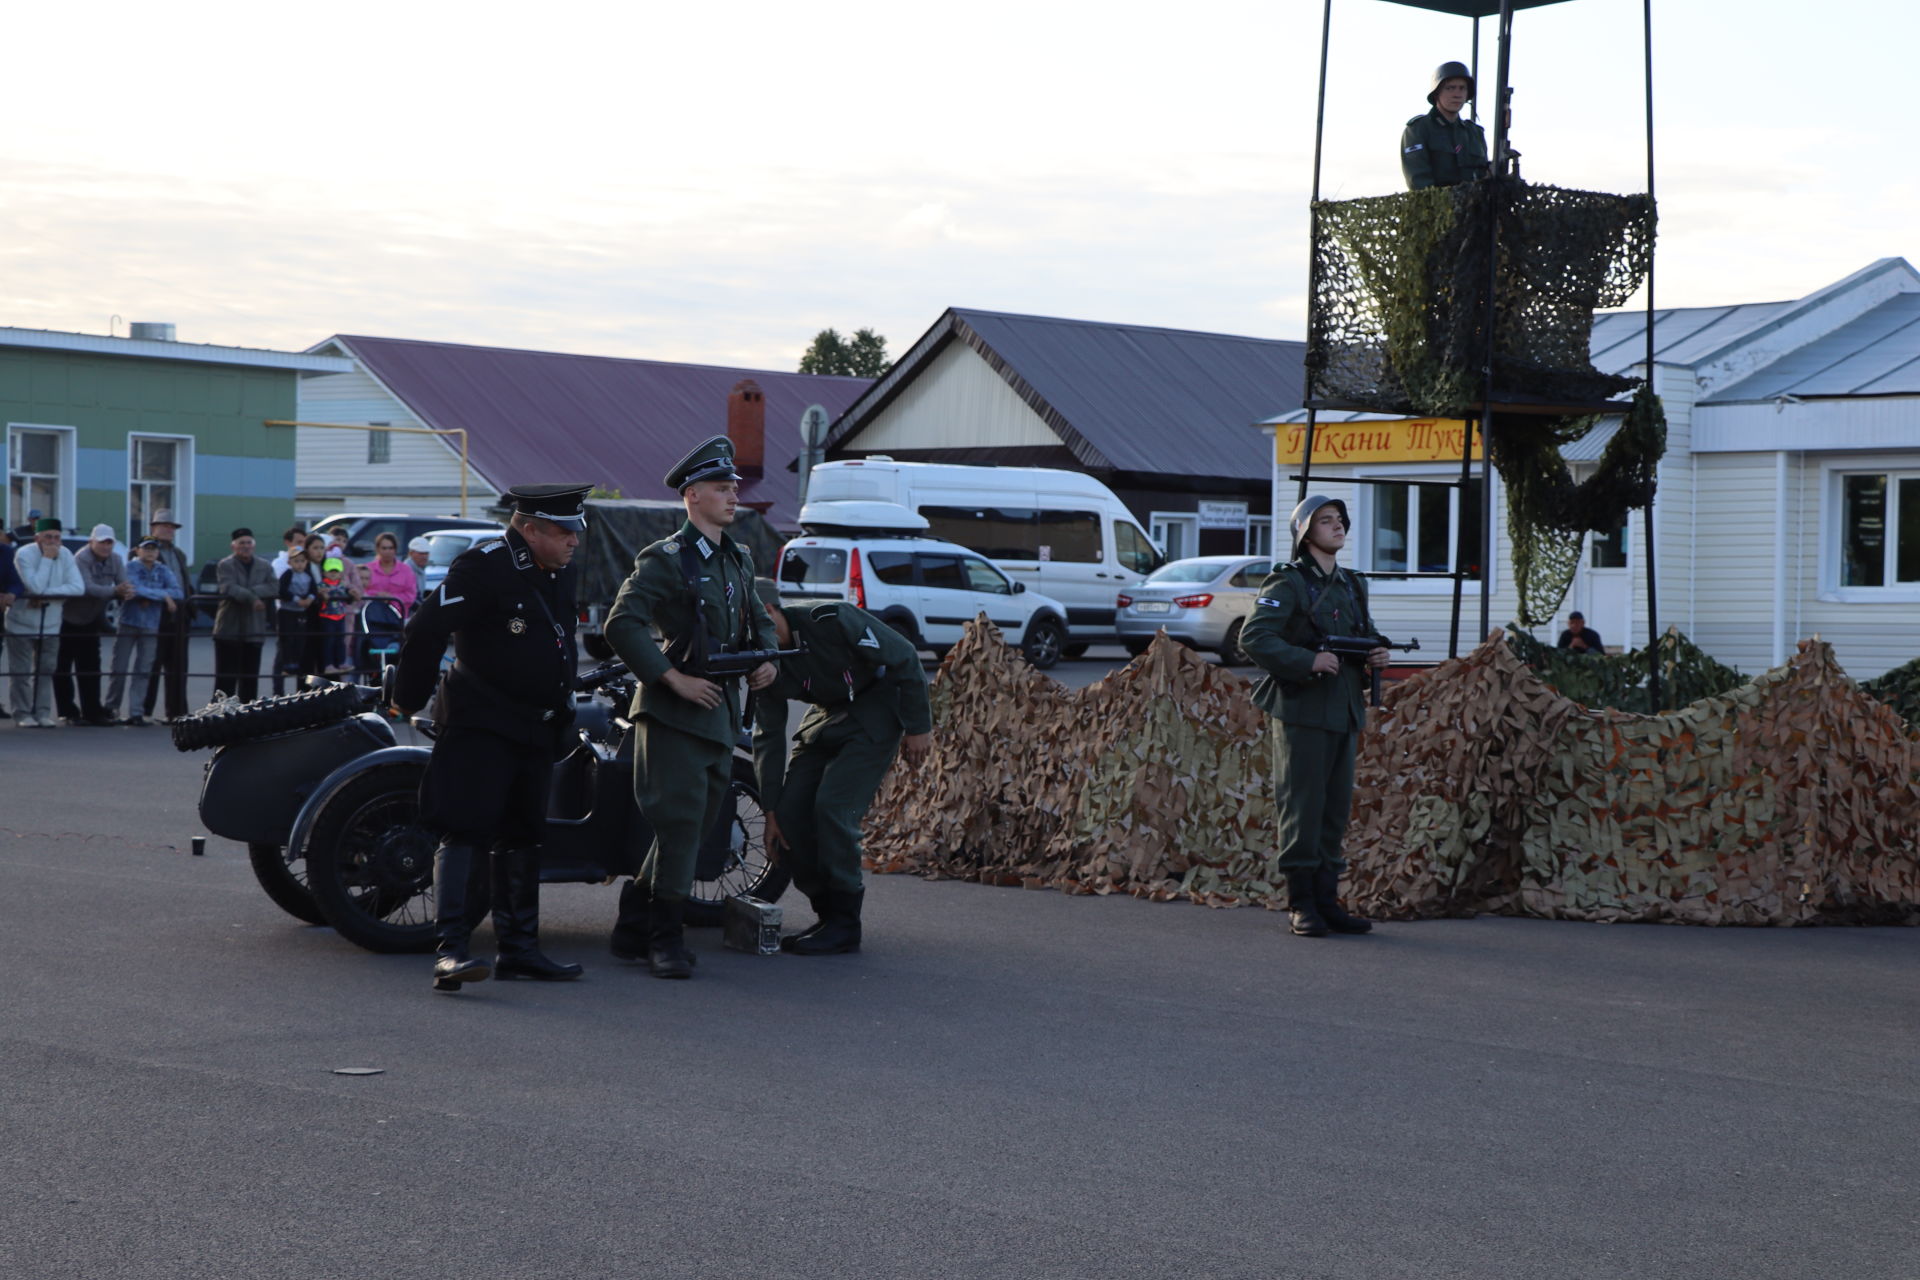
[1400, 294]
[1793, 798]
[1619, 680]
[1899, 689]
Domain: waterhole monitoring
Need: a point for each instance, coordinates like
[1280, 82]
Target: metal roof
[1876, 353]
[1124, 398]
[619, 423]
[155, 349]
[1681, 335]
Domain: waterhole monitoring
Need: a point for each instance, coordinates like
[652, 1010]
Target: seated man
[1580, 638]
[1440, 148]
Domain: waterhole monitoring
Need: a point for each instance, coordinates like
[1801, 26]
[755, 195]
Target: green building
[108, 429]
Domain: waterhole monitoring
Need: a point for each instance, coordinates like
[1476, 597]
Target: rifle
[731, 664]
[1356, 649]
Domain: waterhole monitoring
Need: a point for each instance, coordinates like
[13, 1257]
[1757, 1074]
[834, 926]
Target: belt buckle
[546, 715]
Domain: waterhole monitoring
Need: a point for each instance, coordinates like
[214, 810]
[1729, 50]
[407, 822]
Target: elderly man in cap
[696, 590]
[176, 628]
[247, 588]
[419, 552]
[51, 579]
[506, 714]
[1318, 703]
[104, 572]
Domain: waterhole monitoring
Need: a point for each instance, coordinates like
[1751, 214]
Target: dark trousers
[79, 663]
[1313, 787]
[830, 784]
[294, 649]
[236, 667]
[170, 664]
[680, 783]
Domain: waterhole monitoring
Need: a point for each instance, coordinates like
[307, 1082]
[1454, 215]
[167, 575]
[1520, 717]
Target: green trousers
[680, 783]
[1313, 788]
[831, 781]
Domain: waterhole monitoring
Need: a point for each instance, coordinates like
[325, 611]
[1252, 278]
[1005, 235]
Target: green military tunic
[1436, 152]
[683, 760]
[1316, 718]
[867, 690]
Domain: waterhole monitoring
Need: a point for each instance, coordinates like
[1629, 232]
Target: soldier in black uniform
[505, 710]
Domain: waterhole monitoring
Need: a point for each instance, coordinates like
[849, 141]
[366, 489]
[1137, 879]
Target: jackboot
[1326, 896]
[667, 955]
[516, 919]
[452, 863]
[629, 938]
[838, 931]
[1303, 913]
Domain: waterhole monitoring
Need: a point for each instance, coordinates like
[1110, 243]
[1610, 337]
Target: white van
[1063, 534]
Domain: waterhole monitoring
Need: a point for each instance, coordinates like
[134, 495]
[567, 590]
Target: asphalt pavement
[1004, 1083]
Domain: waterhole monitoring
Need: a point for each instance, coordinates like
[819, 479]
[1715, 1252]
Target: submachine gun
[730, 664]
[1355, 649]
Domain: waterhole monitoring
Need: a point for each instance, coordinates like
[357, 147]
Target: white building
[1789, 499]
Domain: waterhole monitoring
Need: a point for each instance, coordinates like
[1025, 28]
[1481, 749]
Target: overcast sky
[715, 183]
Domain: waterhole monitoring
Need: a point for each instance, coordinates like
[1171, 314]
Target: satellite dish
[813, 426]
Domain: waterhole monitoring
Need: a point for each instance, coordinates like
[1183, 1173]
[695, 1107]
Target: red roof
[544, 416]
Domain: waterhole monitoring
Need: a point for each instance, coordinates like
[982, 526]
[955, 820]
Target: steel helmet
[1302, 518]
[1450, 71]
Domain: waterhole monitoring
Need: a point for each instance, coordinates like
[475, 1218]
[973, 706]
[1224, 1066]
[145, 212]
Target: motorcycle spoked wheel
[370, 864]
[285, 881]
[733, 858]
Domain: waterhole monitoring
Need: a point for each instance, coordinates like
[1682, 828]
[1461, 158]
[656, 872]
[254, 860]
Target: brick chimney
[747, 428]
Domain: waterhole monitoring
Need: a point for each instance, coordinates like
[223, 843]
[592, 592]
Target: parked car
[445, 545]
[1060, 532]
[1202, 601]
[879, 556]
[363, 528]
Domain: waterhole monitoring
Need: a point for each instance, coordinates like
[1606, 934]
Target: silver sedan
[1202, 601]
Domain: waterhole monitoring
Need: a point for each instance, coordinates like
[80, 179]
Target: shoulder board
[665, 547]
[1417, 119]
[490, 544]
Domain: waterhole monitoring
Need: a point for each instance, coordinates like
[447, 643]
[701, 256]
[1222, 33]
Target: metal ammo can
[752, 926]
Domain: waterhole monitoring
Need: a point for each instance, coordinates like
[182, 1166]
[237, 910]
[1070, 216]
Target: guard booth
[1476, 302]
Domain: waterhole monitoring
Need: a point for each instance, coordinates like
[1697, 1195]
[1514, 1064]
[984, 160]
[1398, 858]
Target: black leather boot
[452, 864]
[516, 919]
[667, 955]
[1303, 914]
[629, 939]
[837, 933]
[1326, 896]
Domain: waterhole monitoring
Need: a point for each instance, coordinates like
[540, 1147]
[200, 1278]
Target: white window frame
[182, 488]
[68, 486]
[1833, 473]
[1187, 520]
[1418, 473]
[1259, 530]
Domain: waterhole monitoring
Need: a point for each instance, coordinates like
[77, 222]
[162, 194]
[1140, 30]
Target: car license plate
[1153, 606]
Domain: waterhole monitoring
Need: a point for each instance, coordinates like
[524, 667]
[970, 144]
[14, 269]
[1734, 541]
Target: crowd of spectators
[59, 604]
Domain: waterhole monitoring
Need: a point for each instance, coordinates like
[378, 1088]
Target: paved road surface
[1004, 1084]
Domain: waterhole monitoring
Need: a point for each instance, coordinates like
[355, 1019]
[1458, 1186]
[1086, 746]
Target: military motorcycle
[318, 787]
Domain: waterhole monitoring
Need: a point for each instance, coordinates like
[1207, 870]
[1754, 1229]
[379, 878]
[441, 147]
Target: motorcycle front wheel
[370, 863]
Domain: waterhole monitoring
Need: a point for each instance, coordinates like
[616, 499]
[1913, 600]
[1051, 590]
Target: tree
[862, 356]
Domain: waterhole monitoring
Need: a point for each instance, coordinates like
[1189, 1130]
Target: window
[154, 481]
[1609, 550]
[942, 572]
[1415, 528]
[1880, 530]
[895, 568]
[1177, 534]
[1259, 535]
[812, 566]
[1252, 575]
[1136, 554]
[1071, 537]
[982, 576]
[379, 444]
[360, 544]
[999, 533]
[34, 474]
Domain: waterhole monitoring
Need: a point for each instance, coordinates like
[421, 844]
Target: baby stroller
[377, 639]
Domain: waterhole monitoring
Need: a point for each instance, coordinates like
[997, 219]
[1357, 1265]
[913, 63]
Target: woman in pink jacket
[389, 576]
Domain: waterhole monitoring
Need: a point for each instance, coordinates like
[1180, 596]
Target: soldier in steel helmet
[1318, 704]
[505, 709]
[869, 702]
[1443, 148]
[696, 590]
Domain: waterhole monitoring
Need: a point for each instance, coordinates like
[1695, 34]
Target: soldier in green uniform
[1442, 148]
[696, 590]
[1318, 704]
[869, 699]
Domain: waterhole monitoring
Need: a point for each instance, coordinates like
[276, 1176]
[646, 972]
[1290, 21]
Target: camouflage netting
[1398, 325]
[1791, 799]
[1400, 294]
[1899, 689]
[1619, 680]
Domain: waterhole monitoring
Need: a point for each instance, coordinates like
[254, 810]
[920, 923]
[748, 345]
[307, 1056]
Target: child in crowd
[156, 594]
[296, 622]
[337, 597]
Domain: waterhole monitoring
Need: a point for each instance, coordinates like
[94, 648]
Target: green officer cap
[711, 459]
